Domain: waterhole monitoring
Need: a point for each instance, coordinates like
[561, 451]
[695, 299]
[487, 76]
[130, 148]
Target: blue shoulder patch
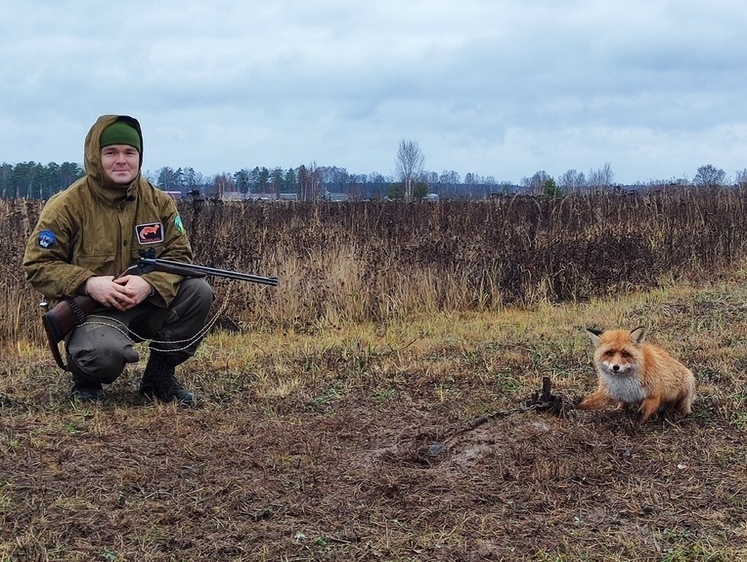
[47, 239]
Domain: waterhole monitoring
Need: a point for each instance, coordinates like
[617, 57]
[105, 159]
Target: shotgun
[73, 311]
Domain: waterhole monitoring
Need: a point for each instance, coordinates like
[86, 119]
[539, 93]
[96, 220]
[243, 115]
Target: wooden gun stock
[63, 319]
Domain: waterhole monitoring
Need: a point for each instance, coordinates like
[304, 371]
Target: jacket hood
[92, 148]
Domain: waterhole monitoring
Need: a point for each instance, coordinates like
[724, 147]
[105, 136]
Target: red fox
[633, 372]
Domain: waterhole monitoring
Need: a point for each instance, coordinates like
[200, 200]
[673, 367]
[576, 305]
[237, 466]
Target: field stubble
[337, 431]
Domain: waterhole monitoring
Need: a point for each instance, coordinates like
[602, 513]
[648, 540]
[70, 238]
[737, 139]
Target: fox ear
[594, 335]
[638, 335]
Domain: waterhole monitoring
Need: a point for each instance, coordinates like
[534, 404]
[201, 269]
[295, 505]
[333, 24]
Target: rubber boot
[87, 391]
[159, 382]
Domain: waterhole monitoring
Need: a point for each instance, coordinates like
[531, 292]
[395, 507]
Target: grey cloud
[499, 88]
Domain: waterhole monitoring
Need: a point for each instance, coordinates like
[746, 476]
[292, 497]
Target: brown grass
[372, 261]
[322, 435]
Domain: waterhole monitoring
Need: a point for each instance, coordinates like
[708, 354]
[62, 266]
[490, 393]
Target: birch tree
[409, 163]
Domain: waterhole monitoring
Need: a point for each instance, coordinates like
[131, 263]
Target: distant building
[239, 196]
[234, 196]
[337, 197]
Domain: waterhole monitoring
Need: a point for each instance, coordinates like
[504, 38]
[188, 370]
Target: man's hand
[121, 293]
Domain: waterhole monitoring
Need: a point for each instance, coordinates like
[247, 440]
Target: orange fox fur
[633, 372]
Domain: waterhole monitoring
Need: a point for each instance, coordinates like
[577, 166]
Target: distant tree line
[37, 181]
[306, 182]
[312, 182]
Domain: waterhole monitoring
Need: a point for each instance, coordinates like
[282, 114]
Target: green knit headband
[120, 132]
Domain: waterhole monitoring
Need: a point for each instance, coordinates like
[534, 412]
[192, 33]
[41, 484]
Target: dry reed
[375, 261]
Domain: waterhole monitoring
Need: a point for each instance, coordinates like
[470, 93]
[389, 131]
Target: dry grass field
[379, 404]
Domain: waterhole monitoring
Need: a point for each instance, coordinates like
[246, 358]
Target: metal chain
[125, 330]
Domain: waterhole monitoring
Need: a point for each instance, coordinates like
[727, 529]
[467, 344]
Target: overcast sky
[500, 88]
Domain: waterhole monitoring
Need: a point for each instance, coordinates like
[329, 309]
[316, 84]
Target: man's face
[121, 163]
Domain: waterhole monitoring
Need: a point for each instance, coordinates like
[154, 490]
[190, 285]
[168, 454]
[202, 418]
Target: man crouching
[86, 236]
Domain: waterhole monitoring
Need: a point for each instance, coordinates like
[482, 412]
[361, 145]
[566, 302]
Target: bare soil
[347, 476]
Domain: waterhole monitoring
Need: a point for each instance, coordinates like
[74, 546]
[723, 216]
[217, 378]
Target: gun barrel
[205, 270]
